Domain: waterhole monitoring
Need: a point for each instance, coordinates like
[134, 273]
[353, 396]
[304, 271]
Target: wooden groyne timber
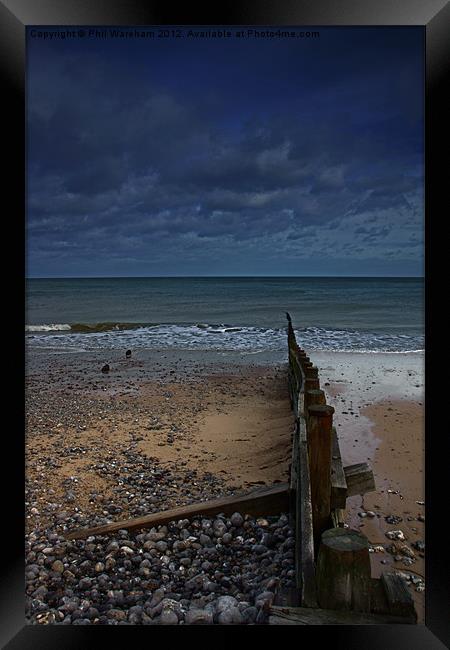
[332, 563]
[333, 574]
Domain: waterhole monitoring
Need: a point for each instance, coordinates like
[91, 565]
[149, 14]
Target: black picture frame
[433, 16]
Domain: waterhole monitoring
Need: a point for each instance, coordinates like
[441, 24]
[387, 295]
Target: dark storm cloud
[131, 170]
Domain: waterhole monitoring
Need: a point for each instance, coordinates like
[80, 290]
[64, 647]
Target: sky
[211, 157]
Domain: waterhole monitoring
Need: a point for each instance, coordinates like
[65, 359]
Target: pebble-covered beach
[102, 448]
[204, 571]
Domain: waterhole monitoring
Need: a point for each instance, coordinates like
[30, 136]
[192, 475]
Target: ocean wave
[53, 327]
[218, 337]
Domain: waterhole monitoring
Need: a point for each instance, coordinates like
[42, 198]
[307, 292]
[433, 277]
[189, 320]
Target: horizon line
[180, 277]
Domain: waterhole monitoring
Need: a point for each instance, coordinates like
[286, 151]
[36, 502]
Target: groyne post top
[312, 372]
[343, 570]
[321, 410]
[314, 396]
[311, 383]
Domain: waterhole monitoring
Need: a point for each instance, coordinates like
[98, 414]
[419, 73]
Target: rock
[219, 527]
[236, 519]
[85, 583]
[117, 614]
[81, 621]
[395, 534]
[259, 549]
[230, 616]
[419, 546]
[58, 566]
[158, 595]
[40, 592]
[105, 368]
[225, 602]
[135, 614]
[110, 563]
[405, 550]
[264, 599]
[227, 538]
[249, 614]
[393, 519]
[168, 617]
[198, 617]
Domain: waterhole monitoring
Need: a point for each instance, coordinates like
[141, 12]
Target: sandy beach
[379, 413]
[231, 425]
[166, 428]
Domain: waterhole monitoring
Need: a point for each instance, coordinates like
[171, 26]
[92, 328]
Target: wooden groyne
[333, 574]
[332, 562]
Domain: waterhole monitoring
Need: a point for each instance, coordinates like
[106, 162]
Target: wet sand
[379, 416]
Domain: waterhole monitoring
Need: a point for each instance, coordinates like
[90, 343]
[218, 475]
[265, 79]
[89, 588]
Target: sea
[246, 315]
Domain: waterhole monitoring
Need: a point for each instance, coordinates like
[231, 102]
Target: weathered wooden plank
[304, 555]
[338, 481]
[263, 501]
[338, 517]
[293, 479]
[311, 616]
[378, 600]
[360, 479]
[320, 418]
[400, 601]
[296, 370]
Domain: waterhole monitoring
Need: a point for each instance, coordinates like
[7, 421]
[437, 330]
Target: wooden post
[311, 384]
[319, 435]
[312, 372]
[343, 571]
[314, 396]
[312, 378]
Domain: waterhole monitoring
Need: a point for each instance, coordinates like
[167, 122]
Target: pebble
[169, 617]
[231, 616]
[393, 519]
[395, 534]
[58, 566]
[236, 520]
[198, 617]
